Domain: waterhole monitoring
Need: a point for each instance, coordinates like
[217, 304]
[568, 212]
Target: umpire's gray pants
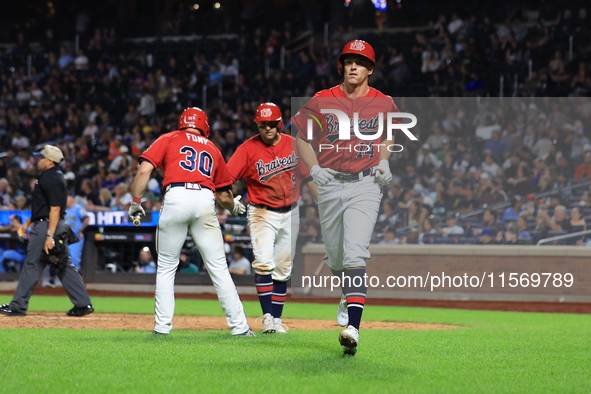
[33, 269]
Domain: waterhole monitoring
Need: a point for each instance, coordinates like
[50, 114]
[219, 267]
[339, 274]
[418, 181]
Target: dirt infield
[104, 321]
[547, 307]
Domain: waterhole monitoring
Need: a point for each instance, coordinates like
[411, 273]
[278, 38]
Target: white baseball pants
[348, 215]
[274, 237]
[193, 210]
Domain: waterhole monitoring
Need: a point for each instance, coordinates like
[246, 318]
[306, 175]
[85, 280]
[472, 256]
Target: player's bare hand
[135, 209]
[22, 230]
[321, 175]
[49, 244]
[239, 208]
[383, 173]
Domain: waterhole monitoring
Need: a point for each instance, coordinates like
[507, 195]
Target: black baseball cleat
[80, 311]
[8, 311]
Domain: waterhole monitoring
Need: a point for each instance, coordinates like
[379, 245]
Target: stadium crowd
[109, 101]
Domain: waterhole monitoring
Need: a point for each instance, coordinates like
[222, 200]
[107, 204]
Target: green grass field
[493, 352]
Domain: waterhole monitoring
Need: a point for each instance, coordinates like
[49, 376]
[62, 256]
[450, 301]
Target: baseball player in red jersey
[271, 166]
[349, 174]
[194, 170]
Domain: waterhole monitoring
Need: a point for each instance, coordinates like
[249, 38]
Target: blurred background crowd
[103, 80]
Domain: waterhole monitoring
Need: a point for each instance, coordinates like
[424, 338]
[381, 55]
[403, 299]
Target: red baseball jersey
[190, 158]
[273, 173]
[345, 155]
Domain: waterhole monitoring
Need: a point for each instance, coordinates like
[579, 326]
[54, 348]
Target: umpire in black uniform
[47, 218]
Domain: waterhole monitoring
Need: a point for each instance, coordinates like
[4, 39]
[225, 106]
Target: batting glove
[239, 208]
[135, 209]
[321, 175]
[383, 173]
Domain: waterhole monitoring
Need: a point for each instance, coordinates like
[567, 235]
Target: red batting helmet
[269, 112]
[356, 47]
[194, 118]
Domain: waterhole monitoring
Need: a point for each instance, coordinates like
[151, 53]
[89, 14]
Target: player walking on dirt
[271, 166]
[194, 170]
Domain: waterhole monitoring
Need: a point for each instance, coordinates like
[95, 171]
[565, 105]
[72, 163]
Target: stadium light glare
[195, 6]
[217, 5]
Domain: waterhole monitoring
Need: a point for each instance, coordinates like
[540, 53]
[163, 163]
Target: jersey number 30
[190, 162]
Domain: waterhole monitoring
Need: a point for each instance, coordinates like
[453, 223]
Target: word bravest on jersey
[276, 166]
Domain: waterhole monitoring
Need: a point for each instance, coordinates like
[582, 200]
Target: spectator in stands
[452, 227]
[486, 237]
[416, 214]
[496, 145]
[578, 141]
[488, 165]
[389, 237]
[437, 139]
[489, 219]
[240, 264]
[510, 236]
[145, 263]
[14, 253]
[577, 220]
[427, 162]
[489, 192]
[122, 161]
[584, 203]
[584, 169]
[65, 58]
[186, 265]
[428, 227]
[121, 197]
[559, 222]
[512, 212]
[147, 105]
[520, 184]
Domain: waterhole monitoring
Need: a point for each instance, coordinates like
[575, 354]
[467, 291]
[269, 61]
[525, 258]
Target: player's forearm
[306, 152]
[140, 183]
[226, 199]
[54, 218]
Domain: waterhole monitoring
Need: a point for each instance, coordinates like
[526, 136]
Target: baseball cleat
[343, 313]
[8, 311]
[349, 338]
[247, 333]
[268, 323]
[80, 311]
[280, 327]
[158, 333]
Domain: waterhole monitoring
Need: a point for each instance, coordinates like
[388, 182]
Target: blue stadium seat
[430, 238]
[535, 236]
